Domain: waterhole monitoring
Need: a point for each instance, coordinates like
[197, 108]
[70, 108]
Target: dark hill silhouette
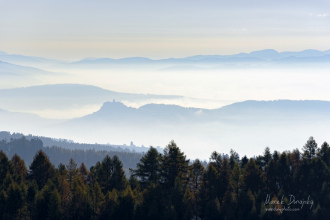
[251, 124]
[307, 109]
[66, 96]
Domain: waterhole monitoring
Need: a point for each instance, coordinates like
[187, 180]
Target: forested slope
[26, 149]
[278, 185]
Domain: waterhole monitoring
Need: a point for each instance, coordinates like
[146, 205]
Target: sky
[72, 30]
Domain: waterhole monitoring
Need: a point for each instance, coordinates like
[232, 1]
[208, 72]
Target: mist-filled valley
[201, 102]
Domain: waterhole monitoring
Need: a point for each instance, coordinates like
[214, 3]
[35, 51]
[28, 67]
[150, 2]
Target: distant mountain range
[120, 117]
[71, 90]
[21, 74]
[249, 124]
[268, 55]
[241, 126]
[27, 60]
[14, 69]
[68, 97]
[116, 112]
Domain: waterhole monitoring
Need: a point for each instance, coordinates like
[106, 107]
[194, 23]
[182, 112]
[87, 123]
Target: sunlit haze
[75, 29]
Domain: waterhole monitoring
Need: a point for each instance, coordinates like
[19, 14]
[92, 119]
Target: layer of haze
[209, 88]
[212, 88]
[157, 29]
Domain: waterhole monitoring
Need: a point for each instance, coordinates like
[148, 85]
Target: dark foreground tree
[149, 168]
[174, 165]
[309, 149]
[41, 169]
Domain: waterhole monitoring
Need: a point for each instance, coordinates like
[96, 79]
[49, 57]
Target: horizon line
[155, 59]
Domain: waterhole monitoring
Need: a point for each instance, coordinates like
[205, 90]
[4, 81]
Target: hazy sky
[75, 29]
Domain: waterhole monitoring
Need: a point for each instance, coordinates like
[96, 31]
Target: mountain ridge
[265, 54]
[251, 124]
[118, 111]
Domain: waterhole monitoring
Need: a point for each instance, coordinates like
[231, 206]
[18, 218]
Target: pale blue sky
[159, 29]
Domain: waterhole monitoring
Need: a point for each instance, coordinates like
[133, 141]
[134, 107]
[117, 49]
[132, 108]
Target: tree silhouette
[252, 177]
[195, 179]
[309, 149]
[324, 153]
[174, 164]
[19, 166]
[41, 169]
[72, 171]
[149, 168]
[118, 179]
[5, 166]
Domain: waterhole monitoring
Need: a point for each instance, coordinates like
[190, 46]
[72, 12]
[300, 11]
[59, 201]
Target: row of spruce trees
[287, 185]
[27, 148]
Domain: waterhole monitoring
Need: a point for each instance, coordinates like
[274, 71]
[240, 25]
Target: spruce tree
[118, 179]
[41, 169]
[174, 164]
[149, 168]
[309, 149]
[72, 171]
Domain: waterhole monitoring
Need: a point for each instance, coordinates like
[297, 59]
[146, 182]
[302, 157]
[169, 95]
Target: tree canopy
[168, 186]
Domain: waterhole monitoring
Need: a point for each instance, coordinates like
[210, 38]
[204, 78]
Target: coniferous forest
[26, 149]
[276, 185]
